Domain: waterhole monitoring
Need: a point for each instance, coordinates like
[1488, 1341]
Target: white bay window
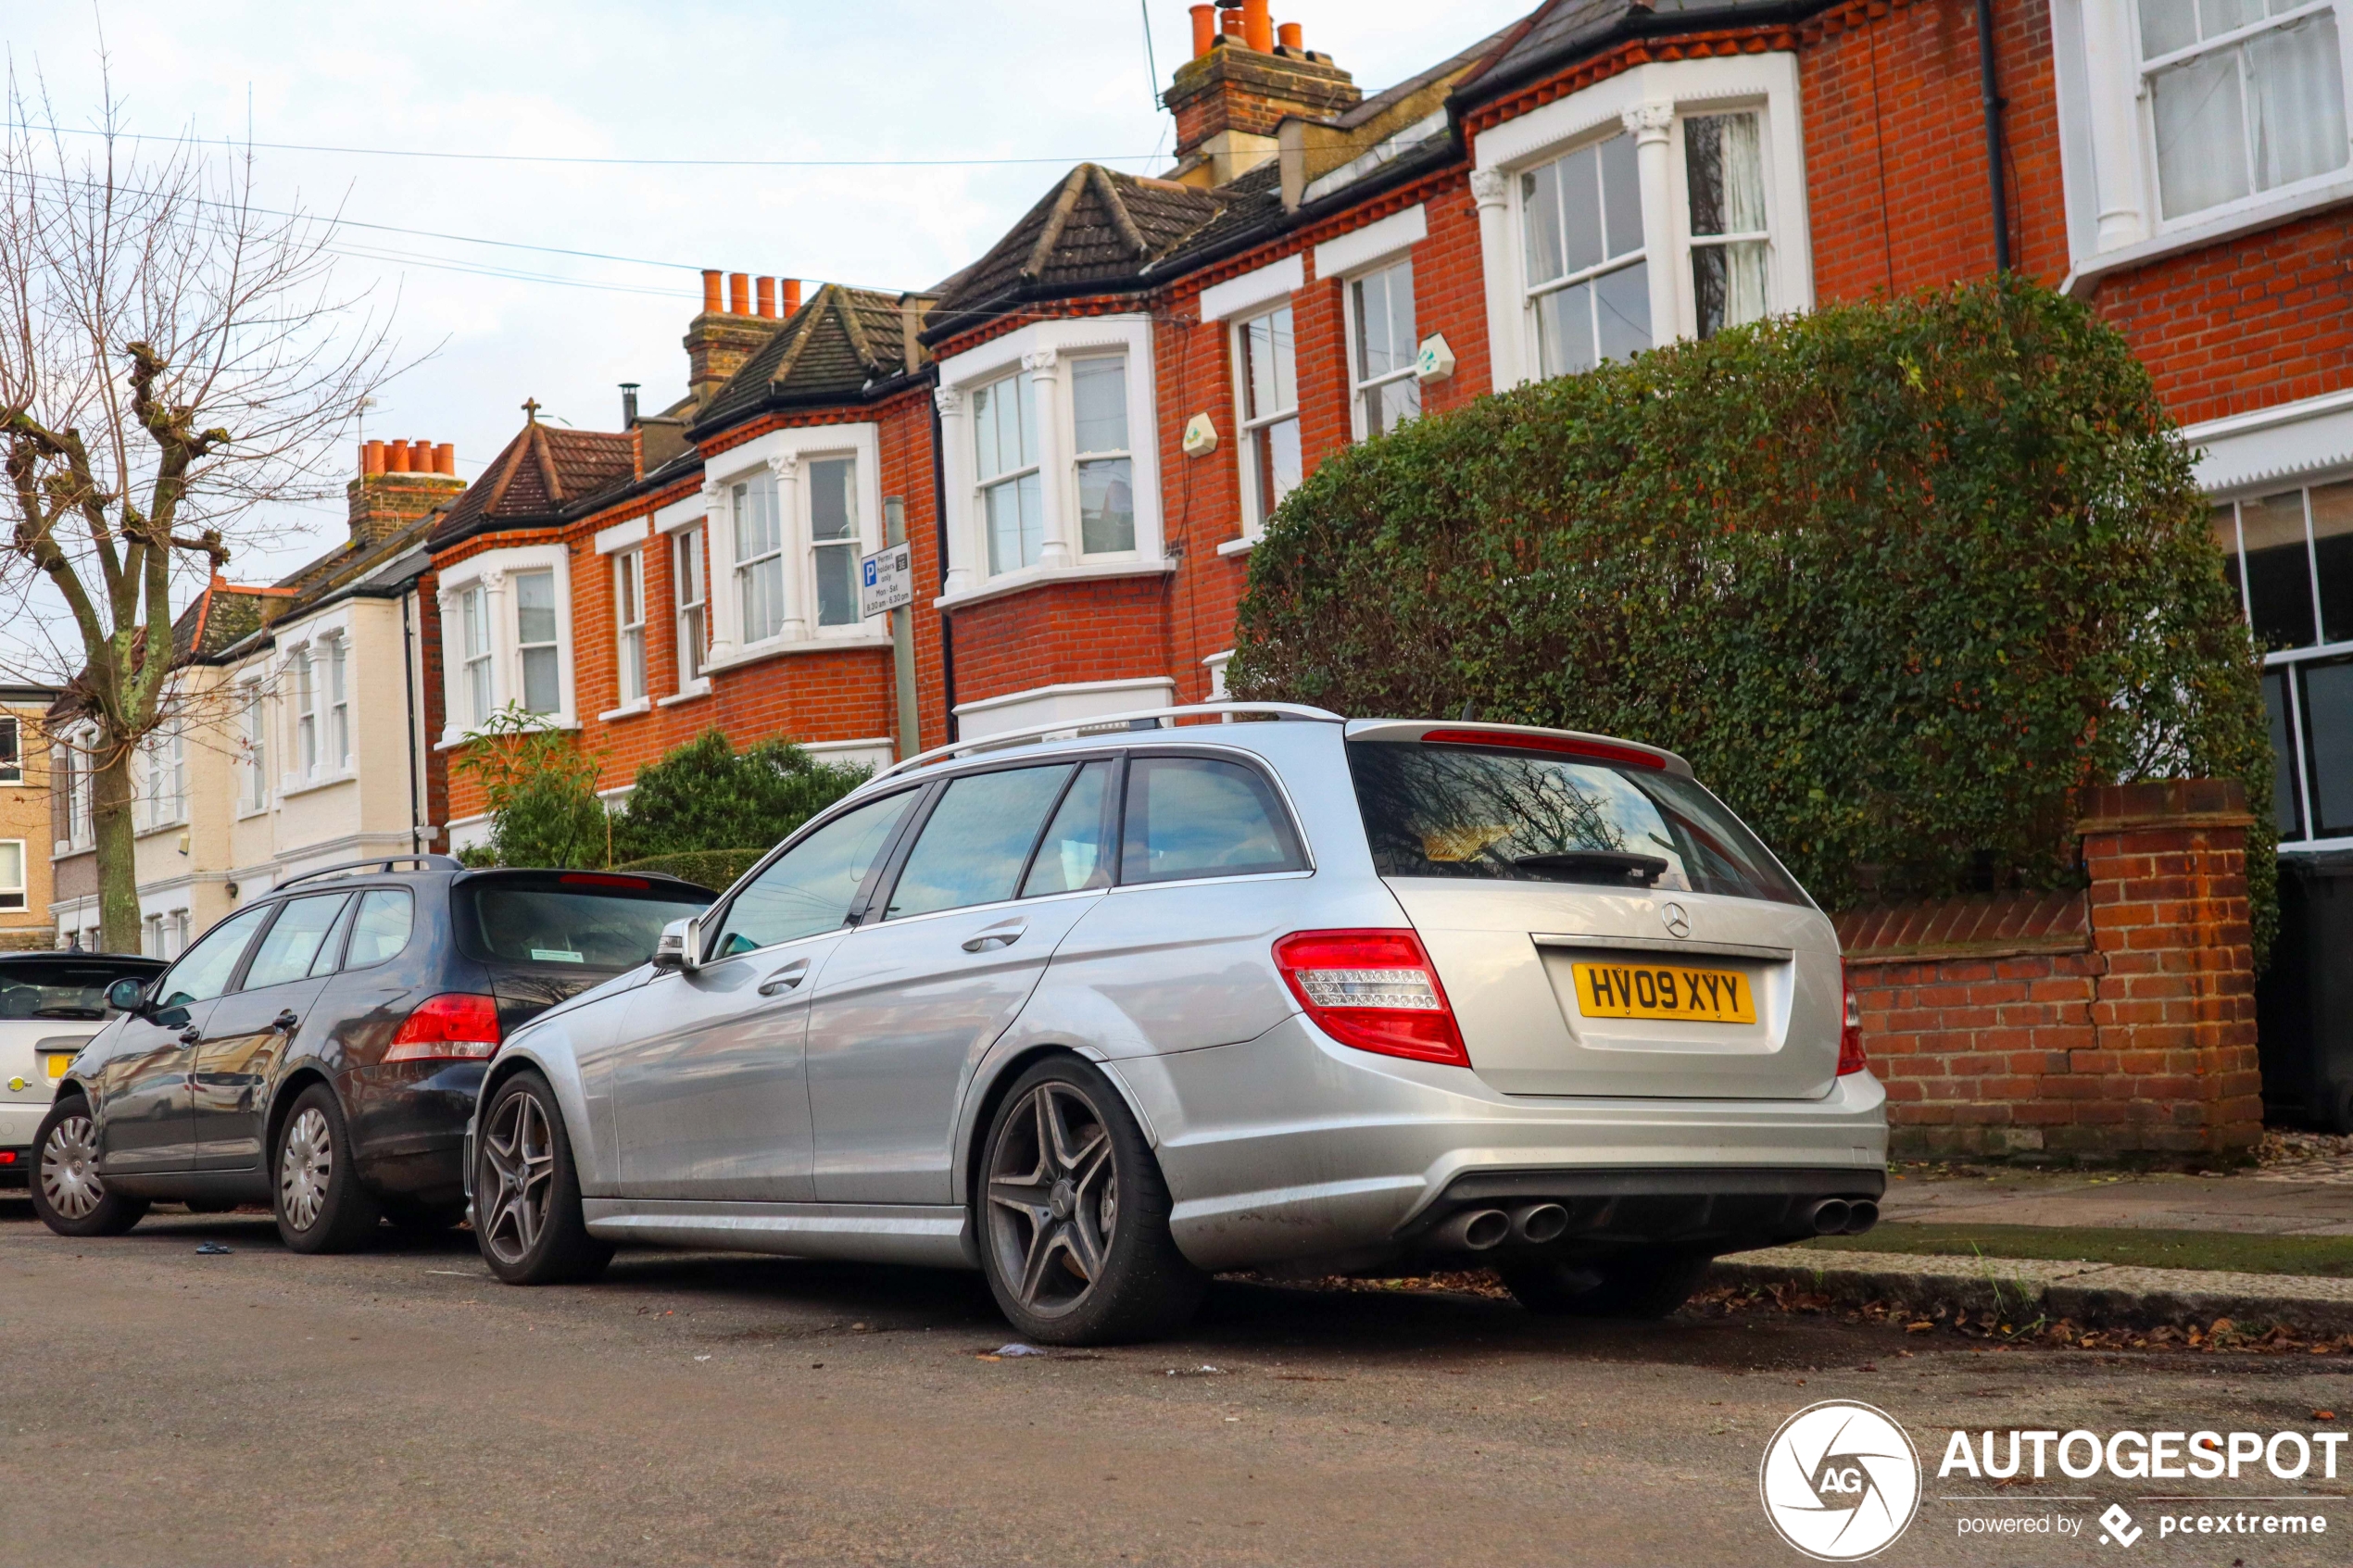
[1005, 456]
[834, 540]
[1665, 202]
[760, 557]
[1106, 466]
[785, 529]
[507, 615]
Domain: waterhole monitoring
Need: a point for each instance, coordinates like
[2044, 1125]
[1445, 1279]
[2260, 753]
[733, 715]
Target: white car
[50, 1005]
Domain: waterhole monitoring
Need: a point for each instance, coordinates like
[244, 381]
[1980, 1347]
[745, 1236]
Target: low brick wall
[2115, 1021]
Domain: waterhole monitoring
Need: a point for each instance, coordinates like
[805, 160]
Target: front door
[253, 1027]
[147, 1111]
[908, 1007]
[709, 1097]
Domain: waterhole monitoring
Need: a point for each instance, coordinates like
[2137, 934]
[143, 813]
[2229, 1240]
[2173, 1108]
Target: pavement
[399, 1406]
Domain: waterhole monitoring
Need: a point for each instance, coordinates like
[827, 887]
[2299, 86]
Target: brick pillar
[2175, 1005]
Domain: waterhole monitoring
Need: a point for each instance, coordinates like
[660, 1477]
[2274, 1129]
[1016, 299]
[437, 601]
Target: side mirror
[680, 947]
[127, 994]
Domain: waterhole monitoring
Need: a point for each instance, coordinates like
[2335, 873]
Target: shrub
[707, 795]
[540, 788]
[1896, 577]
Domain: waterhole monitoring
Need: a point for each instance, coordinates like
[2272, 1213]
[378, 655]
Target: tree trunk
[117, 850]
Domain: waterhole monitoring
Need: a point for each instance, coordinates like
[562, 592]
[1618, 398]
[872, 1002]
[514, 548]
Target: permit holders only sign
[885, 581]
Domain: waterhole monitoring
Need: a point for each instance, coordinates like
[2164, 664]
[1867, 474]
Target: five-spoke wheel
[1073, 1214]
[69, 1193]
[527, 1216]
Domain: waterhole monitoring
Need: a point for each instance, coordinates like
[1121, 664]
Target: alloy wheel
[521, 1155]
[306, 1168]
[69, 1169]
[1053, 1198]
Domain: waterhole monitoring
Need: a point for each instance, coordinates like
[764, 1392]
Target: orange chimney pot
[1204, 30]
[396, 456]
[445, 459]
[421, 457]
[1231, 23]
[1291, 37]
[371, 457]
[738, 293]
[765, 289]
[709, 291]
[792, 294]
[1258, 26]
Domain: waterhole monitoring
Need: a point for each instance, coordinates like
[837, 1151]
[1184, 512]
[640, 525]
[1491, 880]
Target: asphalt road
[161, 1406]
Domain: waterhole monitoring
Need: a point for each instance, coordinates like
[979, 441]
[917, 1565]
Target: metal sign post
[886, 583]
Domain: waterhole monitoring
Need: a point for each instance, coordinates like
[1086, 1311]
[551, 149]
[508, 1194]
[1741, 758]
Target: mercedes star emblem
[1678, 923]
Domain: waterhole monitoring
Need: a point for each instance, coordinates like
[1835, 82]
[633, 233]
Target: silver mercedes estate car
[1103, 1010]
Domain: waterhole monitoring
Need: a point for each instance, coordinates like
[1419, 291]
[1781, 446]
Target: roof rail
[1103, 723]
[381, 862]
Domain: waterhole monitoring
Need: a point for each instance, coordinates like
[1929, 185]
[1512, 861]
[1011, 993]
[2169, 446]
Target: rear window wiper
[1610, 868]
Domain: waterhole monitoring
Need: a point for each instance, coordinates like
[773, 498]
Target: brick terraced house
[1087, 430]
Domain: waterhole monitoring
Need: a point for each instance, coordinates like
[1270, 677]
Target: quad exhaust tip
[1840, 1216]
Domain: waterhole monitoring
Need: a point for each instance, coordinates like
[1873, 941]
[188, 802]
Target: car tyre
[67, 1192]
[1072, 1214]
[527, 1219]
[316, 1193]
[1639, 1285]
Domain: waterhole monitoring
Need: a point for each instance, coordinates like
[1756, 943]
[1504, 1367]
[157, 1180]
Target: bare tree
[174, 367]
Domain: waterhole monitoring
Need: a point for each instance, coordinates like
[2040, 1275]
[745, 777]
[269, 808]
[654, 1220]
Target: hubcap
[1053, 1200]
[305, 1169]
[518, 1163]
[69, 1170]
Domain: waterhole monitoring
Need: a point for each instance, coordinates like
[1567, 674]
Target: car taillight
[453, 1026]
[1850, 1032]
[1374, 990]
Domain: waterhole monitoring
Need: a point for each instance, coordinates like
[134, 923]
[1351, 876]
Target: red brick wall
[2118, 1020]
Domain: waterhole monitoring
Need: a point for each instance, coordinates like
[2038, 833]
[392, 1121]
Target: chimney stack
[399, 481]
[1231, 98]
[730, 329]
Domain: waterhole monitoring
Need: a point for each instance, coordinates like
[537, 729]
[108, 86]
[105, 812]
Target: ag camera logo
[1840, 1481]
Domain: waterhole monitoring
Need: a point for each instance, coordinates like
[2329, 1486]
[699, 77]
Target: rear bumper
[1292, 1150]
[16, 1166]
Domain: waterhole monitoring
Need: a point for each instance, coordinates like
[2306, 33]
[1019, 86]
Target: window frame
[2146, 69]
[743, 568]
[629, 629]
[553, 645]
[303, 711]
[856, 543]
[1250, 426]
[1081, 460]
[1360, 386]
[12, 752]
[1268, 773]
[1535, 292]
[21, 890]
[336, 756]
[253, 748]
[492, 574]
[861, 903]
[1023, 383]
[690, 617]
[477, 654]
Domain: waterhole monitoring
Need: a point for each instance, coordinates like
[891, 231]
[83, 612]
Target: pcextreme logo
[1840, 1481]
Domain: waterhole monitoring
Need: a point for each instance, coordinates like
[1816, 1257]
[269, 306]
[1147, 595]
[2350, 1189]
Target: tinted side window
[976, 840]
[382, 927]
[1195, 816]
[810, 888]
[203, 972]
[1071, 856]
[292, 944]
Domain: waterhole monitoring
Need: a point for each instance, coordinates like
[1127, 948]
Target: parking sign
[885, 581]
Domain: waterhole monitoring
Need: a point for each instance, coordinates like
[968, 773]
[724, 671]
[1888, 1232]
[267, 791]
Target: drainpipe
[408, 683]
[1992, 91]
[939, 519]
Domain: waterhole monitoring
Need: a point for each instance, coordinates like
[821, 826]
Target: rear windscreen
[1512, 814]
[570, 927]
[62, 988]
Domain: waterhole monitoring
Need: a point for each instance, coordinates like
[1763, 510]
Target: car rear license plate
[1674, 991]
[58, 1062]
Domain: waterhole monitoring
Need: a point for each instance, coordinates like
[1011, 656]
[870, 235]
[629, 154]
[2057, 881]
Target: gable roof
[840, 345]
[1098, 229]
[545, 471]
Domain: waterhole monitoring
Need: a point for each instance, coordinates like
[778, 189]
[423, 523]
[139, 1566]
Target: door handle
[996, 936]
[192, 1035]
[286, 1020]
[785, 978]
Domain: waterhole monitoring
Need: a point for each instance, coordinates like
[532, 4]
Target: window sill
[553, 721]
[1040, 576]
[248, 813]
[180, 825]
[1241, 546]
[2091, 270]
[694, 692]
[757, 652]
[317, 781]
[626, 711]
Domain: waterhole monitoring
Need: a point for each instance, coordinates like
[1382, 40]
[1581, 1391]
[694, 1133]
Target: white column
[1053, 462]
[2114, 80]
[784, 469]
[1505, 311]
[955, 439]
[505, 667]
[718, 589]
[1650, 124]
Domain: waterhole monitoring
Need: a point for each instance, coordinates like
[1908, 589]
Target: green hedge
[1896, 577]
[714, 869]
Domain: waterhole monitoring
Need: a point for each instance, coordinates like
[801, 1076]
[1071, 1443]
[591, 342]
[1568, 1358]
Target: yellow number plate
[1695, 996]
[58, 1062]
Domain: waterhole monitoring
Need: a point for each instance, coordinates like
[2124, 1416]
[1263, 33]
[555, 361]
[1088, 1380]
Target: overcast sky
[1055, 81]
